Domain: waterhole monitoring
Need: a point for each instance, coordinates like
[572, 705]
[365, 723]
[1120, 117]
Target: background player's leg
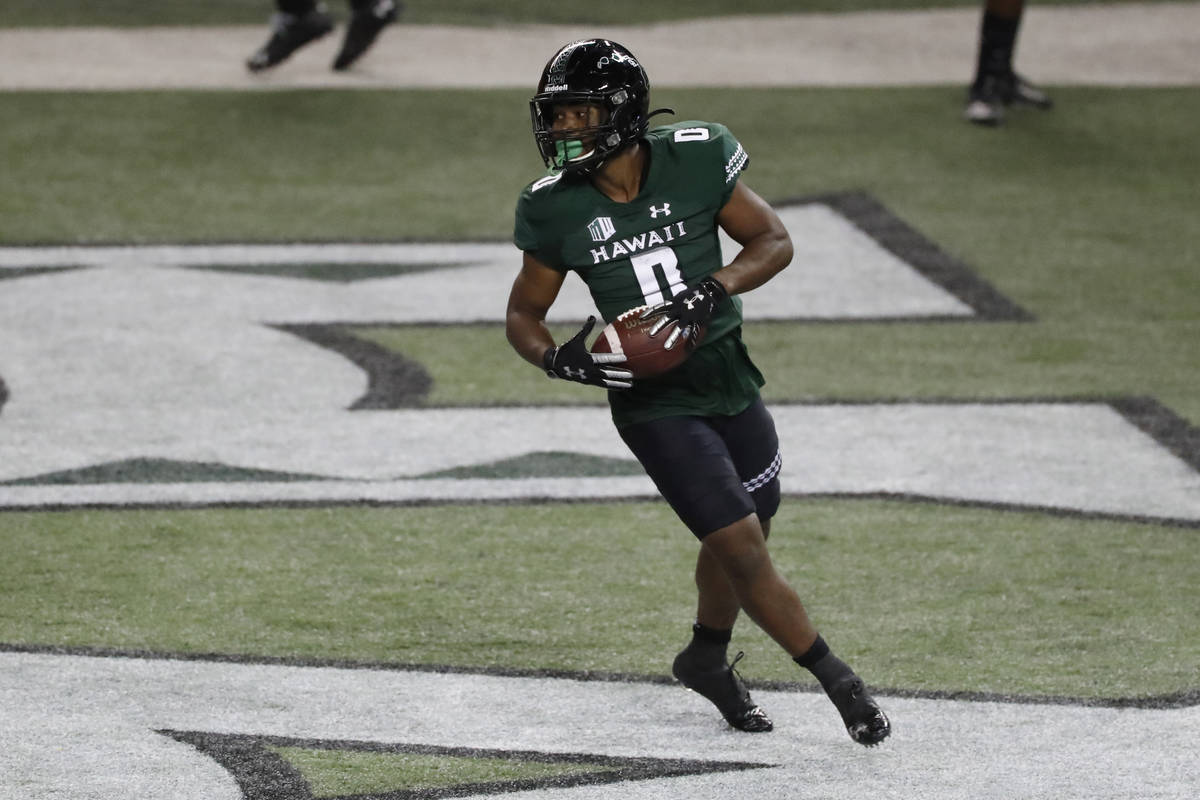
[996, 84]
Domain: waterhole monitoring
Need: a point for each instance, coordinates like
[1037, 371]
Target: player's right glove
[572, 361]
[690, 311]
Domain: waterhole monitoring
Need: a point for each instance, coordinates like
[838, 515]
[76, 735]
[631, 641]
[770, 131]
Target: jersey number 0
[647, 267]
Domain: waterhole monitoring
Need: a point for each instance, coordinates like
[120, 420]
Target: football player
[996, 85]
[635, 211]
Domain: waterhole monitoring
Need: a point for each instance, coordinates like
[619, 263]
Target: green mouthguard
[565, 150]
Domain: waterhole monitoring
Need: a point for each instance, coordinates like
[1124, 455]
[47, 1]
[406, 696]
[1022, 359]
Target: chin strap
[660, 111]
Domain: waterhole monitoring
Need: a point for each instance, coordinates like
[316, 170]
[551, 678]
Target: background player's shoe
[991, 94]
[985, 101]
[723, 687]
[1022, 92]
[864, 719]
[364, 27]
[289, 33]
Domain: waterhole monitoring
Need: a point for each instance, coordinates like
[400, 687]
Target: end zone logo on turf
[225, 374]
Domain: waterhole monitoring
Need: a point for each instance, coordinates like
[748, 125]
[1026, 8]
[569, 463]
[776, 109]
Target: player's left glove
[690, 310]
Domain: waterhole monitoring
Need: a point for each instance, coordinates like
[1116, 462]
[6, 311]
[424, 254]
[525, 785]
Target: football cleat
[864, 719]
[288, 34]
[992, 93]
[364, 27]
[1022, 92]
[985, 101]
[723, 687]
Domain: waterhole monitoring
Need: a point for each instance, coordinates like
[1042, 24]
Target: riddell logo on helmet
[557, 87]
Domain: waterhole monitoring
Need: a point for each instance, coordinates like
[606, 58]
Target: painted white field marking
[838, 272]
[1073, 456]
[84, 727]
[137, 356]
[1117, 44]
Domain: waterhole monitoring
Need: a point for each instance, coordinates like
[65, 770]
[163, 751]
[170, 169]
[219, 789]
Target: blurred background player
[996, 85]
[298, 22]
[635, 212]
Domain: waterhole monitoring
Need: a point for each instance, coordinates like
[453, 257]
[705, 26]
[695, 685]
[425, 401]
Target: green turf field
[952, 599]
[1088, 232]
[1085, 217]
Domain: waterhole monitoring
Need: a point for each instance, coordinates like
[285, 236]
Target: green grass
[948, 599]
[22, 13]
[278, 166]
[202, 166]
[1074, 359]
[339, 773]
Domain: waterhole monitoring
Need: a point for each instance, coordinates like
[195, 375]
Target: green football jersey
[648, 250]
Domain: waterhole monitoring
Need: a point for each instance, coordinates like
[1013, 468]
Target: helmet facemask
[580, 150]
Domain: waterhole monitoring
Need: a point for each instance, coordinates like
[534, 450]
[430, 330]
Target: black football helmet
[600, 72]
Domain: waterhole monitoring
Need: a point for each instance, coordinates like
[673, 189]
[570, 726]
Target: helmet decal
[555, 77]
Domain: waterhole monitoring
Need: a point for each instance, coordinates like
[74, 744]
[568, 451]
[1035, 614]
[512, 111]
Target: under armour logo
[573, 373]
[665, 211]
[691, 301]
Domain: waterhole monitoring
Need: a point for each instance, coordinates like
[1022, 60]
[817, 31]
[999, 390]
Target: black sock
[296, 7]
[824, 665]
[997, 38]
[708, 646]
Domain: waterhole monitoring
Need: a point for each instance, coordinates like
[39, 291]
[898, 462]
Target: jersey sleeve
[533, 229]
[524, 234]
[713, 156]
[733, 158]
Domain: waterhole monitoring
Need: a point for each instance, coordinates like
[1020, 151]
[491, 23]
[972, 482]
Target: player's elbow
[516, 326]
[778, 250]
[783, 251]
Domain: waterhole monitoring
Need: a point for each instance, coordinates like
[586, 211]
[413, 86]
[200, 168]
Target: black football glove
[573, 362]
[690, 310]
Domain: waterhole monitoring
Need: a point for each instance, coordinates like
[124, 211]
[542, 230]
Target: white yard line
[85, 727]
[1132, 44]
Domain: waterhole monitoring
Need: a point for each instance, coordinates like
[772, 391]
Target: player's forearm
[528, 335]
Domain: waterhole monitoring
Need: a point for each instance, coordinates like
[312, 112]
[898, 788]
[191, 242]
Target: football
[645, 357]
